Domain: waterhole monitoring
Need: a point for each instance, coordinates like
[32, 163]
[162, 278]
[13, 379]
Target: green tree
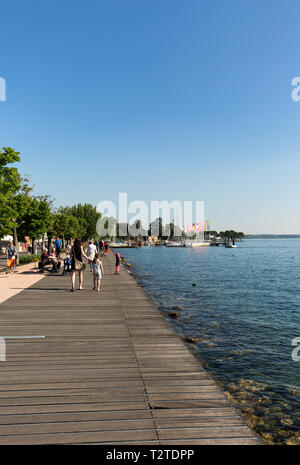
[136, 230]
[37, 220]
[227, 236]
[168, 231]
[87, 216]
[156, 227]
[10, 184]
[110, 226]
[20, 203]
[65, 226]
[231, 235]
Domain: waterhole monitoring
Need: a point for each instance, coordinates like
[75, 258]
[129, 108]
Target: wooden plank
[76, 427]
[103, 415]
[106, 384]
[199, 422]
[205, 432]
[79, 437]
[91, 391]
[195, 413]
[81, 407]
[244, 441]
[74, 399]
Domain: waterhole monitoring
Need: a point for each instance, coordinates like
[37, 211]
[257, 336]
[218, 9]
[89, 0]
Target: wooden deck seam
[136, 359]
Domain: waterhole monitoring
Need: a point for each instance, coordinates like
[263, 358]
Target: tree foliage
[231, 235]
[87, 217]
[37, 219]
[66, 226]
[10, 184]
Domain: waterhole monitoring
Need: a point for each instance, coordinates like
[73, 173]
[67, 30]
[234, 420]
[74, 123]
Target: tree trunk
[34, 246]
[15, 242]
[15, 237]
[43, 241]
[49, 241]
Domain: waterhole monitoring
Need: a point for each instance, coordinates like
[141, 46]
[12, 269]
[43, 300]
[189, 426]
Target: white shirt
[91, 250]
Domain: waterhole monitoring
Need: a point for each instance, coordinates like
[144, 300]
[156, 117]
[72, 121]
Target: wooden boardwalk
[109, 371]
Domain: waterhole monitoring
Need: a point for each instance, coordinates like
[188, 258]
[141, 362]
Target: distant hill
[272, 236]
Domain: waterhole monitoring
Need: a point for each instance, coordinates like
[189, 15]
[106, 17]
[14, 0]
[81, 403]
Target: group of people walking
[92, 255]
[73, 260]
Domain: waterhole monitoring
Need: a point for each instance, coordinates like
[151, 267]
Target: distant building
[153, 239]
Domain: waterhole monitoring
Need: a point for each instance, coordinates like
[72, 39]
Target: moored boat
[173, 244]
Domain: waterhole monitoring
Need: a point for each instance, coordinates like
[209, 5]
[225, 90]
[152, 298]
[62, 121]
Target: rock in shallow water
[191, 340]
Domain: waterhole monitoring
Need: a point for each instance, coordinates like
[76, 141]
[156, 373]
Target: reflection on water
[244, 309]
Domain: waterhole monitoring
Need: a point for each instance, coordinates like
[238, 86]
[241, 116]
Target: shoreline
[271, 412]
[192, 349]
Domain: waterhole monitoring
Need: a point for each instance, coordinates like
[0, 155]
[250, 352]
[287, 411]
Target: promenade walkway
[110, 370]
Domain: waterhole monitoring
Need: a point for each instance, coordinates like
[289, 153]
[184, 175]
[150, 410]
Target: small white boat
[195, 243]
[173, 244]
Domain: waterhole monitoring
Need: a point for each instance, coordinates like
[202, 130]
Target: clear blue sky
[163, 99]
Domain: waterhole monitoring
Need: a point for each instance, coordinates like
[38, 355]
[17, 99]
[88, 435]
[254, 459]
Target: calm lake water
[245, 310]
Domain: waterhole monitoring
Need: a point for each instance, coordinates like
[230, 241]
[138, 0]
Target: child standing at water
[98, 271]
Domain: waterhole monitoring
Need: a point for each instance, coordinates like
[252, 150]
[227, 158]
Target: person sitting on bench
[53, 260]
[44, 260]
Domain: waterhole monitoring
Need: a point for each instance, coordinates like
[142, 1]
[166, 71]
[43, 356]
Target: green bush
[23, 259]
